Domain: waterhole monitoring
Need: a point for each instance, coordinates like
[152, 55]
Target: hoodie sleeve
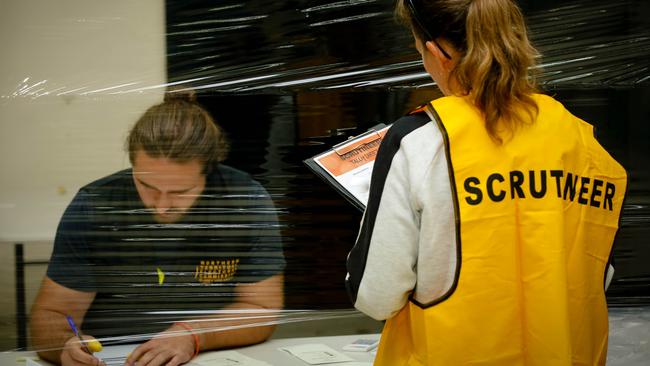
[382, 264]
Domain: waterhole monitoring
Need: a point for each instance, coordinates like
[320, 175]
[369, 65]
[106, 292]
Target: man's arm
[249, 320]
[49, 328]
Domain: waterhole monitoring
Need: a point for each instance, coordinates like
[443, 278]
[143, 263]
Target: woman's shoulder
[414, 119]
[552, 109]
[546, 100]
[414, 134]
[406, 126]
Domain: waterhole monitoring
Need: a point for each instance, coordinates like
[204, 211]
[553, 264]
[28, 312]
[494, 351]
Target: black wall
[285, 79]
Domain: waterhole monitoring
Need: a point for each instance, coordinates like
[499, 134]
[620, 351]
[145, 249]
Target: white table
[267, 351]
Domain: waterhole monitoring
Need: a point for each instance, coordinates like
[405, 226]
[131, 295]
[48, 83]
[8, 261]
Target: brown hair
[179, 129]
[497, 64]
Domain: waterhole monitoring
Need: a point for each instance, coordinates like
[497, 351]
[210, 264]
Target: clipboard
[347, 166]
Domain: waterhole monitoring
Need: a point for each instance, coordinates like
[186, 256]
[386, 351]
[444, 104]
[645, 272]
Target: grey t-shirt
[148, 275]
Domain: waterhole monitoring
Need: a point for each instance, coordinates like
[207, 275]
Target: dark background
[288, 78]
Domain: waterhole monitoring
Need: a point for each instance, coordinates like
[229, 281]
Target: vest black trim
[454, 196]
[610, 260]
[387, 150]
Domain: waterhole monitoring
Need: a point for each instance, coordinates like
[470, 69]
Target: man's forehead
[148, 164]
[158, 178]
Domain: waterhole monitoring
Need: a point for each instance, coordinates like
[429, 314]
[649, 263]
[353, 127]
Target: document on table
[316, 354]
[111, 356]
[33, 362]
[225, 358]
[115, 355]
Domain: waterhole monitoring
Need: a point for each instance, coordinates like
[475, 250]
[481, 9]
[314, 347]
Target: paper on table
[225, 358]
[115, 355]
[31, 362]
[316, 354]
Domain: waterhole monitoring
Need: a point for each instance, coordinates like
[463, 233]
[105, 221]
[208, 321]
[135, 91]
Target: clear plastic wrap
[284, 80]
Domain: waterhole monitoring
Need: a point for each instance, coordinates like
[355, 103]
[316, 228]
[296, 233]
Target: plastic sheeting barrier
[285, 80]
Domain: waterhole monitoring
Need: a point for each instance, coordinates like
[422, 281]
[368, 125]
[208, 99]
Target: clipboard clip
[348, 145]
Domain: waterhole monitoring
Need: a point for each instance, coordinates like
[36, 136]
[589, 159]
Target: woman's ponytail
[497, 61]
[496, 67]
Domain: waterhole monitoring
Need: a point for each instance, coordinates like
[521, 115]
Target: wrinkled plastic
[285, 80]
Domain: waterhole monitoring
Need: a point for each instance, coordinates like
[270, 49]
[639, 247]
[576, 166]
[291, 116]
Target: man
[180, 251]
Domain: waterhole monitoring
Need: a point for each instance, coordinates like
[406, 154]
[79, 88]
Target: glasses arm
[427, 33]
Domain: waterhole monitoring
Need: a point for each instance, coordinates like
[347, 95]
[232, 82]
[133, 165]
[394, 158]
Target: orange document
[348, 165]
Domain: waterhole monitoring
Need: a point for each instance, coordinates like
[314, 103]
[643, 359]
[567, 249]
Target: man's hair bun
[180, 94]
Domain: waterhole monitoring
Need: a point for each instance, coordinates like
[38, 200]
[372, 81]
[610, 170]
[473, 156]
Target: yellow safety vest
[536, 218]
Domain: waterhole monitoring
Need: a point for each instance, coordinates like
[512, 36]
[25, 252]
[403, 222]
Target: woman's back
[510, 254]
[492, 211]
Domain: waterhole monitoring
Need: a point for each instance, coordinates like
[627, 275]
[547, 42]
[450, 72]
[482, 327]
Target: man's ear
[434, 50]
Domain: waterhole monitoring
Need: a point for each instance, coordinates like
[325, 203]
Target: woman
[492, 210]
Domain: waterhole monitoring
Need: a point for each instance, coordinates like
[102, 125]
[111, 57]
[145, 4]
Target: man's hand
[173, 347]
[74, 355]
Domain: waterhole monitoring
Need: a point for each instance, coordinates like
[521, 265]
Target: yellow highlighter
[91, 346]
[94, 346]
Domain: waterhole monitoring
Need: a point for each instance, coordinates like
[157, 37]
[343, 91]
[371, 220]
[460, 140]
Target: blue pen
[73, 326]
